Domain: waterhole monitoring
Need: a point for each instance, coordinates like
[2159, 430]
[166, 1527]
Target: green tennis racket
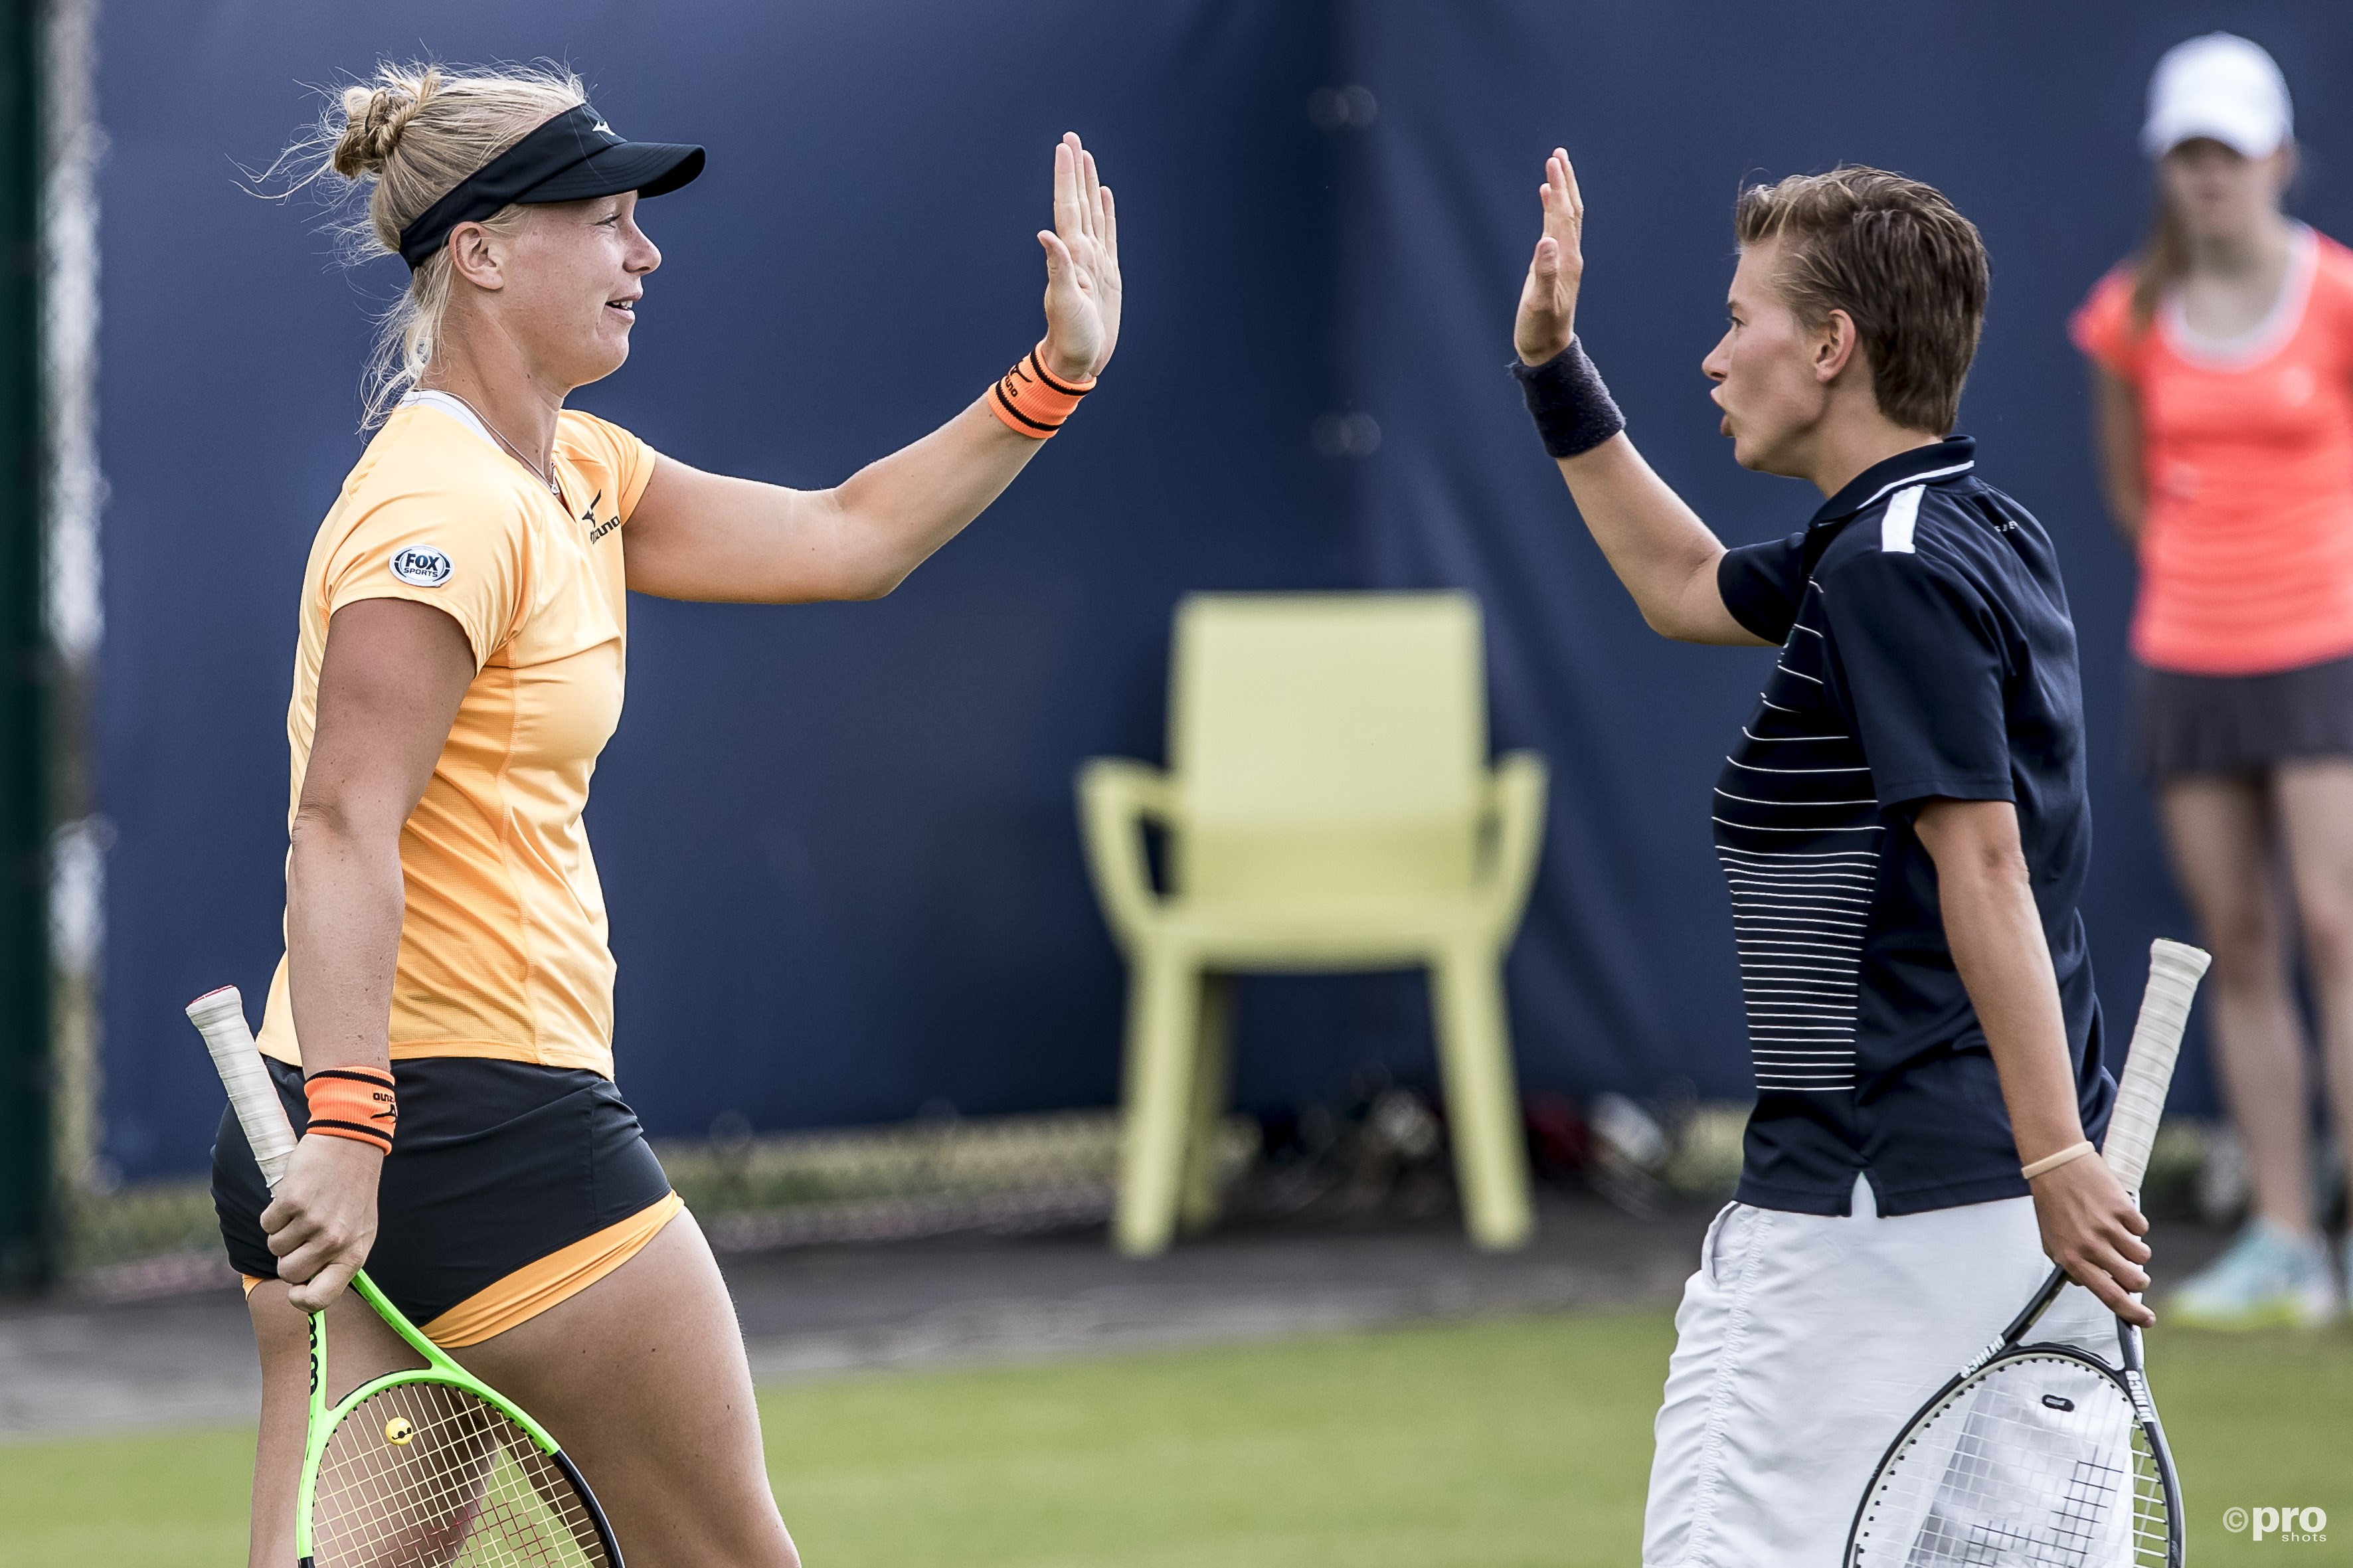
[428, 1468]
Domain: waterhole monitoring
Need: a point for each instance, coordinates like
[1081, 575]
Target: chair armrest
[1515, 802]
[1116, 797]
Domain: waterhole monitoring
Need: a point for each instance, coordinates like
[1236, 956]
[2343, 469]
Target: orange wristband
[354, 1103]
[1032, 401]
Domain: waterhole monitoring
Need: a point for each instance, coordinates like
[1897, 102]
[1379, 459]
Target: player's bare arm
[389, 687]
[2089, 1224]
[1658, 546]
[697, 535]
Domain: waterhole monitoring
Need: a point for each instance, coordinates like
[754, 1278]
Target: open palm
[1083, 287]
[1549, 299]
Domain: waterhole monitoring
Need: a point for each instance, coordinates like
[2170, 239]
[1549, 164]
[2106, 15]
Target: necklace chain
[544, 476]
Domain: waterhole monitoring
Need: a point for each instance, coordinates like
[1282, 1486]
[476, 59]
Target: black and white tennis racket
[429, 1468]
[2044, 1456]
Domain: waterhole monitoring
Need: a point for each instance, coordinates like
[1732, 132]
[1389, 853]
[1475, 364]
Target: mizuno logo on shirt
[596, 530]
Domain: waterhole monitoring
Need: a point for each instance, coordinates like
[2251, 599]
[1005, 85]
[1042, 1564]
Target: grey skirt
[2239, 723]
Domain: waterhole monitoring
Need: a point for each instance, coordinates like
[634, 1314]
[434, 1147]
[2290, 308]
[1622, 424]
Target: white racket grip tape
[2174, 971]
[219, 1016]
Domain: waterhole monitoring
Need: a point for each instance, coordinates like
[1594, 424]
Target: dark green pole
[28, 1213]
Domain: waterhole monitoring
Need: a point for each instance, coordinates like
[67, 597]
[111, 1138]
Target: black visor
[571, 158]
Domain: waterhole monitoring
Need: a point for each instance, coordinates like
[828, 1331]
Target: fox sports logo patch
[421, 566]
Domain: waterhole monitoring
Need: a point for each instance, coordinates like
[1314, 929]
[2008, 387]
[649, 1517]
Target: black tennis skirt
[2186, 724]
[496, 1166]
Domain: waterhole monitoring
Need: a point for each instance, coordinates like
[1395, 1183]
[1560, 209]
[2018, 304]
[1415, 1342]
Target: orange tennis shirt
[502, 947]
[2246, 554]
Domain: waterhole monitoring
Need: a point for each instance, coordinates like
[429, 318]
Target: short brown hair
[1895, 255]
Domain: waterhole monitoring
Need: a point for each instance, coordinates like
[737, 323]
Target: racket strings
[427, 1474]
[2038, 1462]
[2152, 1515]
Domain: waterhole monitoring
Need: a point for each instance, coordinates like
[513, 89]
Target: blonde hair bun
[373, 118]
[403, 138]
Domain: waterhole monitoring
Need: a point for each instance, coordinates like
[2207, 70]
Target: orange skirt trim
[556, 1278]
[535, 1286]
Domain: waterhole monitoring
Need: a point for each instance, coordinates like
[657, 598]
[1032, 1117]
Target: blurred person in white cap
[2222, 364]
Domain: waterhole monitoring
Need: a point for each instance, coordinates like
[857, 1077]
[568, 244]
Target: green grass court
[1500, 1444]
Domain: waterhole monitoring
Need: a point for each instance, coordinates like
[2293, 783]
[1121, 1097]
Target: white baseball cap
[2221, 86]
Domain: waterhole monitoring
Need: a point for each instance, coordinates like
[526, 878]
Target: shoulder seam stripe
[1903, 515]
[1929, 478]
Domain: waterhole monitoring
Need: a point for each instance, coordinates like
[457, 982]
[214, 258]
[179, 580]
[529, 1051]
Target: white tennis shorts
[1803, 1344]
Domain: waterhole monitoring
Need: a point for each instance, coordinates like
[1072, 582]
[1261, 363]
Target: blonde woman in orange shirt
[2223, 361]
[459, 666]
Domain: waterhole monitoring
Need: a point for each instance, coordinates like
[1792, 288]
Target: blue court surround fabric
[838, 841]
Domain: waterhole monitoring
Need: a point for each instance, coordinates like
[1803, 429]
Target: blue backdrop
[838, 841]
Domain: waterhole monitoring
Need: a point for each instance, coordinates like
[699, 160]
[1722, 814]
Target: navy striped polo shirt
[1925, 652]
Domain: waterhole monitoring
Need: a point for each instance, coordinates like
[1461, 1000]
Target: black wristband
[1572, 409]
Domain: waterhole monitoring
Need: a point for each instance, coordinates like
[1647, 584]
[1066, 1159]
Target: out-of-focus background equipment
[1328, 806]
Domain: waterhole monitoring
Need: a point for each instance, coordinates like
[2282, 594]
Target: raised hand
[1082, 287]
[1548, 299]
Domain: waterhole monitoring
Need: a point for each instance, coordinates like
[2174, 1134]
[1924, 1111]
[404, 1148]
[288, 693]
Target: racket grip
[219, 1016]
[2174, 971]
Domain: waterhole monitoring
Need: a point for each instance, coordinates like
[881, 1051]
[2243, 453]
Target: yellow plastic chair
[1328, 806]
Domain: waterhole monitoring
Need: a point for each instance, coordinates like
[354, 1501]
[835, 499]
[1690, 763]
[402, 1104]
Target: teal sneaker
[2270, 1277]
